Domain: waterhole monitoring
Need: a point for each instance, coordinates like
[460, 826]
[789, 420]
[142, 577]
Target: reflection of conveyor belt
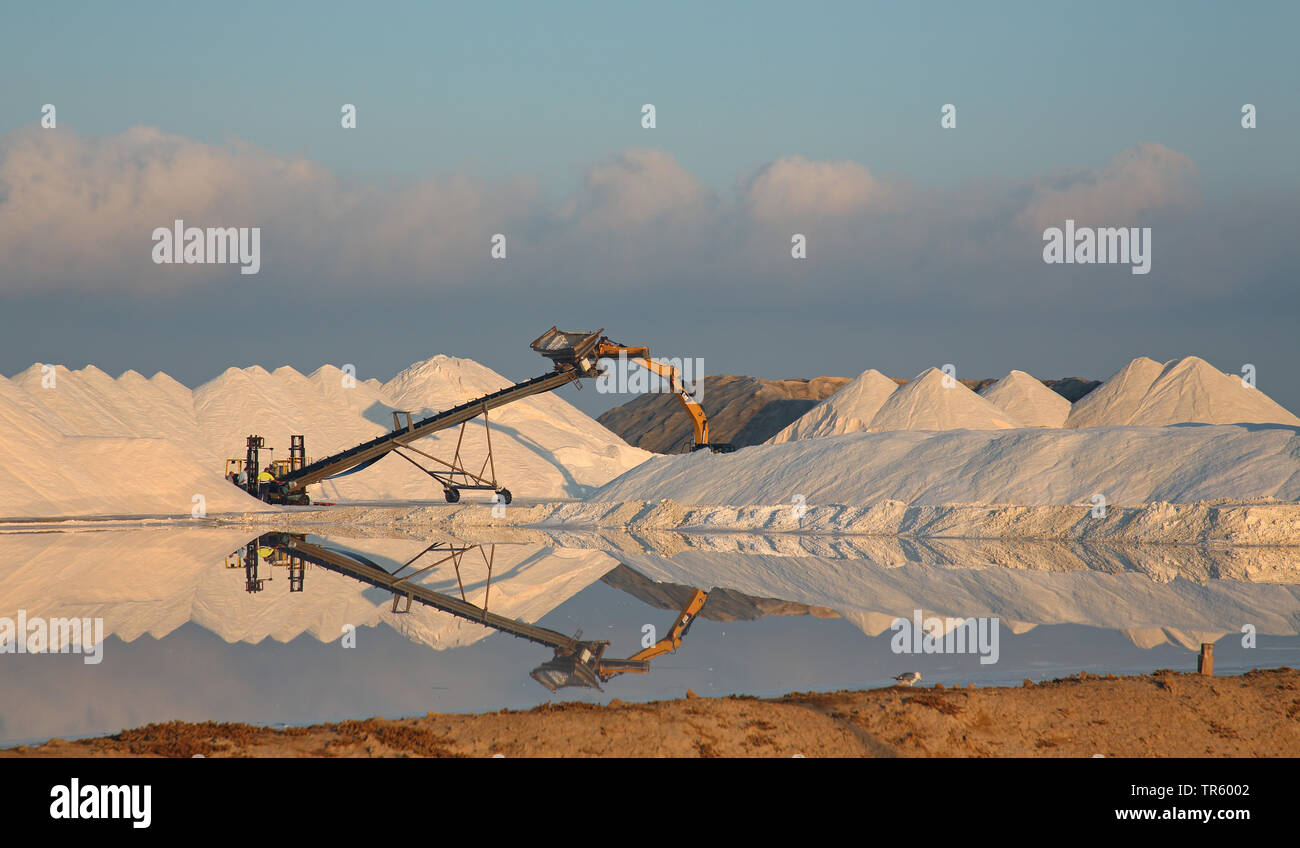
[375, 449]
[368, 572]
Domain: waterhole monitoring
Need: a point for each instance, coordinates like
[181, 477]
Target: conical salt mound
[442, 382]
[1191, 389]
[934, 402]
[1113, 403]
[849, 410]
[1026, 399]
[1188, 390]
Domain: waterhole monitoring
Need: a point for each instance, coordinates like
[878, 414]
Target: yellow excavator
[606, 349]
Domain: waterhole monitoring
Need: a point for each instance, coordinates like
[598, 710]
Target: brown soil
[1158, 715]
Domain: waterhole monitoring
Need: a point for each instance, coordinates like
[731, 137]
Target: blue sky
[519, 117]
[541, 89]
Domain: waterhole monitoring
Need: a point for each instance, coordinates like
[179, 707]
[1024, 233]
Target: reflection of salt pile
[154, 581]
[849, 410]
[95, 445]
[1144, 393]
[1026, 399]
[871, 596]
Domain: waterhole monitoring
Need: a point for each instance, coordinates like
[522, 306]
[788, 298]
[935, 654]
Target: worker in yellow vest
[264, 481]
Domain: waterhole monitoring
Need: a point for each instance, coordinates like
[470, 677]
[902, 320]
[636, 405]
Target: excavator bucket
[572, 669]
[566, 348]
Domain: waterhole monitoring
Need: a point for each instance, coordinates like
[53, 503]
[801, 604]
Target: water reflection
[265, 639]
[576, 662]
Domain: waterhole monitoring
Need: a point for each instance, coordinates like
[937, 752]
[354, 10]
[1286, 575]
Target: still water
[227, 624]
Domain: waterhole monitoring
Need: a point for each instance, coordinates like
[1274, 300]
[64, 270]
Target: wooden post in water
[1205, 662]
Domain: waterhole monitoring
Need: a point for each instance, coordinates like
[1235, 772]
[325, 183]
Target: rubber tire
[452, 495]
[505, 495]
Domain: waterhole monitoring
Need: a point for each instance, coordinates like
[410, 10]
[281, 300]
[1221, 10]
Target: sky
[924, 243]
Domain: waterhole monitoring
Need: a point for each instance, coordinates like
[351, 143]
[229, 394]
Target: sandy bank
[1158, 715]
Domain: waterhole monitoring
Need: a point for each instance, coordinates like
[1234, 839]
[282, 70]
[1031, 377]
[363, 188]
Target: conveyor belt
[375, 576]
[378, 447]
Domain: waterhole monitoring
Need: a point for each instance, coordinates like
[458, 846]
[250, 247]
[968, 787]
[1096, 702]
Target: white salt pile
[50, 469]
[935, 401]
[1027, 466]
[1026, 399]
[873, 402]
[1114, 401]
[1145, 393]
[849, 410]
[92, 445]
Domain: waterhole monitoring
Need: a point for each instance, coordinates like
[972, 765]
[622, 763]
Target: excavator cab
[577, 668]
[588, 667]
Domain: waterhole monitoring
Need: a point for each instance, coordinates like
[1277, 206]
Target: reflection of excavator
[672, 641]
[576, 662]
[575, 355]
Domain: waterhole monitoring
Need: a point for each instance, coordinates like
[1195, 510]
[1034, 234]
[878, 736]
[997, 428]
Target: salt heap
[50, 469]
[543, 446]
[90, 444]
[849, 410]
[1029, 466]
[935, 401]
[1145, 393]
[1114, 401]
[1029, 401]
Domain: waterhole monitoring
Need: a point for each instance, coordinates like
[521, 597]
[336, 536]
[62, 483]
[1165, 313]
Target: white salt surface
[1025, 398]
[1145, 393]
[849, 410]
[95, 445]
[1029, 466]
[934, 401]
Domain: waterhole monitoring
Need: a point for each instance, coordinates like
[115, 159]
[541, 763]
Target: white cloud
[794, 187]
[1146, 178]
[76, 214]
[636, 188]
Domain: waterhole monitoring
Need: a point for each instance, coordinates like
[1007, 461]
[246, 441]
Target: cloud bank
[76, 214]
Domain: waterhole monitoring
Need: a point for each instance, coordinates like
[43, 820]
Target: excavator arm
[607, 349]
[668, 644]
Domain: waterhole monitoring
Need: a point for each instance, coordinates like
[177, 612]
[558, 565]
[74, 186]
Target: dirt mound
[742, 410]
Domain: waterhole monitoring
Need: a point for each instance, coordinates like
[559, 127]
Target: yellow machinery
[564, 348]
[666, 645]
[641, 355]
